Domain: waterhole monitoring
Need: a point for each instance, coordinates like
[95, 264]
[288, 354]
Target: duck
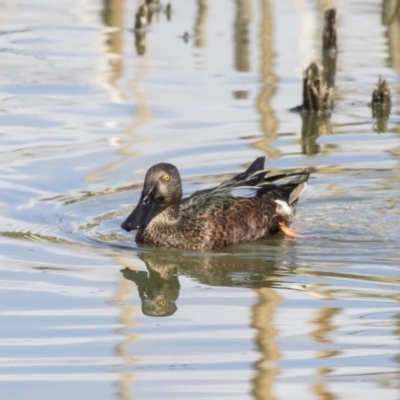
[245, 208]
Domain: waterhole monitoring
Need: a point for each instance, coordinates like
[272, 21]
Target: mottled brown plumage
[212, 218]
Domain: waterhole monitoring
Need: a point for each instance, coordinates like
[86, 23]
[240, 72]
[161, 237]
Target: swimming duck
[213, 218]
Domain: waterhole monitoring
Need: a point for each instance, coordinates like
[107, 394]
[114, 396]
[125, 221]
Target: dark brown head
[162, 188]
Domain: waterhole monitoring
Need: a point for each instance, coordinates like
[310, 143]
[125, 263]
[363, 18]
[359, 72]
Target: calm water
[87, 107]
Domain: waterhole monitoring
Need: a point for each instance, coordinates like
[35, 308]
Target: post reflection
[269, 122]
[141, 116]
[201, 19]
[391, 20]
[241, 35]
[112, 16]
[323, 326]
[313, 126]
[127, 318]
[140, 43]
[262, 318]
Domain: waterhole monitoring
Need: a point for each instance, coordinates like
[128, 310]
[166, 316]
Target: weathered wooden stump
[381, 104]
[317, 96]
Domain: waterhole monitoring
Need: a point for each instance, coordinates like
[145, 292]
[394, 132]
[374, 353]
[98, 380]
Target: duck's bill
[140, 216]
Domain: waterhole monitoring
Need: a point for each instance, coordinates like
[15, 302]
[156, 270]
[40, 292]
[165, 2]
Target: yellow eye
[166, 177]
[162, 303]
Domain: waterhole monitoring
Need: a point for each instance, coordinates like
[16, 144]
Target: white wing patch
[283, 208]
[244, 191]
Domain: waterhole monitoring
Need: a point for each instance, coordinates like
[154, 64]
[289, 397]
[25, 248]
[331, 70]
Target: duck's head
[162, 188]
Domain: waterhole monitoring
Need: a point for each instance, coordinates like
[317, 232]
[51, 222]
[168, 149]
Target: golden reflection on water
[126, 317]
[391, 18]
[143, 113]
[241, 35]
[269, 122]
[113, 16]
[262, 320]
[200, 23]
[324, 326]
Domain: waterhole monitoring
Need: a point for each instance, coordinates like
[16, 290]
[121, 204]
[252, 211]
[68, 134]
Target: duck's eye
[166, 177]
[146, 199]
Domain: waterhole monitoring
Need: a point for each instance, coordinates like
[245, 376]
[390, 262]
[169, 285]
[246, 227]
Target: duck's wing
[251, 183]
[253, 175]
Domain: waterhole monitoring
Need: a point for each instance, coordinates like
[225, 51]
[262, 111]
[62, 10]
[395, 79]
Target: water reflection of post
[268, 299]
[112, 16]
[241, 35]
[324, 325]
[391, 19]
[126, 315]
[269, 122]
[143, 114]
[261, 320]
[313, 125]
[396, 320]
[202, 14]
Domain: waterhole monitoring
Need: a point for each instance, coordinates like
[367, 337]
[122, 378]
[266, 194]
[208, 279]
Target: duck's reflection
[158, 287]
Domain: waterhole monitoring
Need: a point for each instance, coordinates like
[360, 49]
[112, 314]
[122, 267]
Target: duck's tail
[288, 192]
[286, 196]
[296, 187]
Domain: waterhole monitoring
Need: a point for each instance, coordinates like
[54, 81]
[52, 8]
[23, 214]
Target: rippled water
[88, 106]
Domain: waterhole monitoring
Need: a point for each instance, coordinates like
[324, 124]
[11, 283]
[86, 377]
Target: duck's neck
[166, 216]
